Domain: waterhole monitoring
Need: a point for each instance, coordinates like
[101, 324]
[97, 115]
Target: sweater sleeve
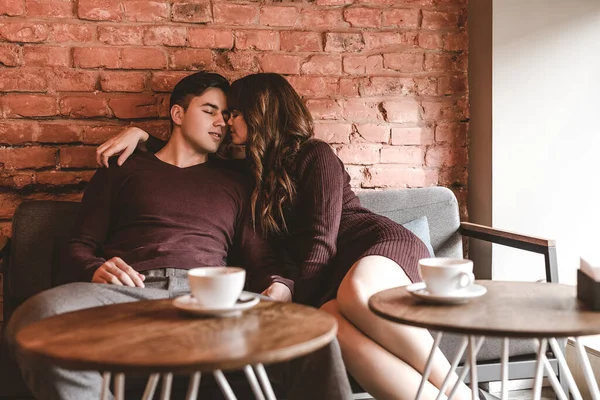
[90, 231]
[320, 191]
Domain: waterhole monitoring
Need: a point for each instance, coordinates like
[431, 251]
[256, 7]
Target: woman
[303, 200]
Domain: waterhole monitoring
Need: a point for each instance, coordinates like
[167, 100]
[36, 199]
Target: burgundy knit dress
[329, 230]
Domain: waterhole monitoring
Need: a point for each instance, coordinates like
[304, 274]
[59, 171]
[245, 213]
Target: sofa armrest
[547, 247]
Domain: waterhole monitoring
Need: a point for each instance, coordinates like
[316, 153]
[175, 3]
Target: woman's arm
[125, 143]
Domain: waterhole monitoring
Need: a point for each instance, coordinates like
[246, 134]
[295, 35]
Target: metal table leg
[224, 385]
[264, 381]
[428, 365]
[192, 392]
[151, 387]
[120, 386]
[104, 394]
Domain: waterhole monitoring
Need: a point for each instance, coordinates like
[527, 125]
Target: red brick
[58, 132]
[163, 105]
[17, 132]
[29, 105]
[12, 7]
[449, 85]
[242, 61]
[121, 35]
[392, 2]
[279, 16]
[46, 56]
[404, 62]
[443, 110]
[377, 40]
[61, 33]
[440, 62]
[198, 12]
[78, 157]
[210, 38]
[374, 64]
[436, 20]
[146, 11]
[8, 204]
[324, 109]
[383, 86]
[349, 87]
[190, 59]
[360, 110]
[295, 41]
[10, 55]
[446, 155]
[280, 63]
[373, 133]
[333, 133]
[97, 134]
[354, 65]
[100, 10]
[49, 8]
[315, 86]
[398, 176]
[430, 41]
[16, 180]
[158, 128]
[414, 155]
[363, 17]
[344, 42]
[456, 41]
[359, 153]
[401, 18]
[412, 136]
[62, 178]
[426, 86]
[165, 81]
[96, 57]
[28, 157]
[451, 132]
[84, 106]
[401, 111]
[143, 58]
[323, 19]
[357, 174]
[257, 40]
[165, 36]
[72, 80]
[235, 14]
[134, 106]
[322, 65]
[22, 80]
[23, 32]
[333, 2]
[116, 81]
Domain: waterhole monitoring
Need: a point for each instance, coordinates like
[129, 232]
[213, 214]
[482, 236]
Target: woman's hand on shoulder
[124, 143]
[278, 292]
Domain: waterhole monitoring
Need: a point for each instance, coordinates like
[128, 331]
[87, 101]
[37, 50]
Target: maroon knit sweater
[155, 215]
[330, 230]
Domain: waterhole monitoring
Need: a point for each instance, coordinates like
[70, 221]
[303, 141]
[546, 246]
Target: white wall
[546, 131]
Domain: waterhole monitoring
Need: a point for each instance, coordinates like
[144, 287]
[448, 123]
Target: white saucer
[461, 296]
[188, 303]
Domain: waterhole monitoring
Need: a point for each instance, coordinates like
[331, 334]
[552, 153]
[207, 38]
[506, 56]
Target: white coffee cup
[444, 276]
[216, 287]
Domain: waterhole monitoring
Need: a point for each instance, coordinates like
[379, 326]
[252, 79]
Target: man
[143, 225]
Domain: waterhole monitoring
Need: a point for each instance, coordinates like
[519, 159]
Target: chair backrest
[438, 204]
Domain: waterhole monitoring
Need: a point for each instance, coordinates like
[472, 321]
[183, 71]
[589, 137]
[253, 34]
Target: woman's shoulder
[315, 149]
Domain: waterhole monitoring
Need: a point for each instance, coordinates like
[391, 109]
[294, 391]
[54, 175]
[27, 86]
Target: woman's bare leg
[373, 274]
[382, 374]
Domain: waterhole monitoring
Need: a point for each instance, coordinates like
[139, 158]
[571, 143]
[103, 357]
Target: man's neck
[179, 153]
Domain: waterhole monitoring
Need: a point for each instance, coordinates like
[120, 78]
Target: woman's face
[238, 128]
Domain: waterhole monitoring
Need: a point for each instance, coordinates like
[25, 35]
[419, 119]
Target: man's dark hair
[194, 85]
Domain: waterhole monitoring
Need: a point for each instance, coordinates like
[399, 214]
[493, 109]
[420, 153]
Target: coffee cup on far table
[216, 287]
[445, 276]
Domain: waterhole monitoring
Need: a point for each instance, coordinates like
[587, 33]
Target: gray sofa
[39, 225]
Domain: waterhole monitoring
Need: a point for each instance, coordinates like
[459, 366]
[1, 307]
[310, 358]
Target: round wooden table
[544, 311]
[155, 337]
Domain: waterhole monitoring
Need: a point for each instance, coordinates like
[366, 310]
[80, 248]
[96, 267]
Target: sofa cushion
[420, 227]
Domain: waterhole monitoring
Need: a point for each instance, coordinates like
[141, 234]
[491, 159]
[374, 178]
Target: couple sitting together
[143, 223]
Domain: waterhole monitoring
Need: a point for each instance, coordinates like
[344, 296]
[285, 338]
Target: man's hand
[278, 292]
[117, 272]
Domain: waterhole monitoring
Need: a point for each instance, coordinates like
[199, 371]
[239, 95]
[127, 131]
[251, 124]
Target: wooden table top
[512, 309]
[154, 336]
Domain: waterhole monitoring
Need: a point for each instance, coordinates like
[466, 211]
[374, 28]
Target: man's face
[203, 123]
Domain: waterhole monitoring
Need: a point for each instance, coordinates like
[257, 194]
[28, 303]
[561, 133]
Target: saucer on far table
[460, 296]
[189, 304]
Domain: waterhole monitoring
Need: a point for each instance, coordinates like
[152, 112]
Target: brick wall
[384, 79]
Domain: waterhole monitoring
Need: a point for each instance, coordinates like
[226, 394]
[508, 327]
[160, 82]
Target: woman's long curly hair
[278, 124]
